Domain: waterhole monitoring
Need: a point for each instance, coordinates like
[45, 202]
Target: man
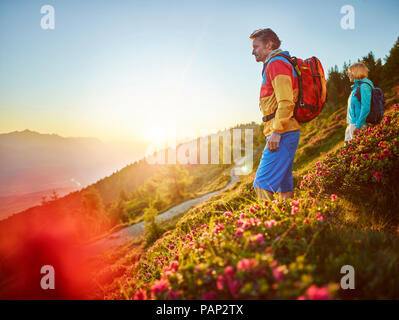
[278, 94]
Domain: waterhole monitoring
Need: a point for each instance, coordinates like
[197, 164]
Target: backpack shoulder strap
[358, 94]
[361, 82]
[291, 60]
[294, 63]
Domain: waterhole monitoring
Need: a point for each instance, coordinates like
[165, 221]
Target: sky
[144, 70]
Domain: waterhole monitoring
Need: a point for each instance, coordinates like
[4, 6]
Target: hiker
[358, 111]
[278, 94]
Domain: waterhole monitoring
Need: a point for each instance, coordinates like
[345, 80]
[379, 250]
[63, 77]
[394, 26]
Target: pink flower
[204, 235]
[315, 293]
[295, 203]
[270, 223]
[174, 265]
[159, 286]
[220, 282]
[254, 222]
[171, 247]
[319, 216]
[294, 210]
[246, 264]
[239, 232]
[252, 210]
[168, 271]
[301, 298]
[276, 202]
[228, 214]
[242, 215]
[229, 271]
[273, 263]
[377, 175]
[258, 238]
[245, 224]
[334, 197]
[218, 228]
[386, 152]
[211, 295]
[278, 274]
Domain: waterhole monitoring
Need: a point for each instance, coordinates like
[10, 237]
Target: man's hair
[359, 70]
[266, 35]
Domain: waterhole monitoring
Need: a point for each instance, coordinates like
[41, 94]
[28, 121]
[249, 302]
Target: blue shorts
[274, 173]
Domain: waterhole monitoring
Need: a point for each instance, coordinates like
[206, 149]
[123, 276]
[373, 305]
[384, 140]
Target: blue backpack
[376, 105]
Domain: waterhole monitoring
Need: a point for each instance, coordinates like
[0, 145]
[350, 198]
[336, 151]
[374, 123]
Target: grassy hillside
[233, 246]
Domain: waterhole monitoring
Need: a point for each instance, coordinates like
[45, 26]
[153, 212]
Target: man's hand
[274, 142]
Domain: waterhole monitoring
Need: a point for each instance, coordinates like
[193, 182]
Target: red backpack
[312, 87]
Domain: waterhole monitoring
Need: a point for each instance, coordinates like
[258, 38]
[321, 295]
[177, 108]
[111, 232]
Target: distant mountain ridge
[32, 162]
[109, 185]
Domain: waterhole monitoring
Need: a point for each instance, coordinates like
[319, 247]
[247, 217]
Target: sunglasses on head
[253, 35]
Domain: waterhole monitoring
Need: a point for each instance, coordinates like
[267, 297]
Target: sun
[156, 135]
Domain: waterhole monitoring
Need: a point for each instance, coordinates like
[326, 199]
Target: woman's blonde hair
[358, 70]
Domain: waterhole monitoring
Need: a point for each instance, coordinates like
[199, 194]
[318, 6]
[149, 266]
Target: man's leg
[266, 177]
[263, 194]
[287, 184]
[287, 195]
[271, 171]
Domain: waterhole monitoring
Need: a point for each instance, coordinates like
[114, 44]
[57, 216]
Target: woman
[359, 100]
